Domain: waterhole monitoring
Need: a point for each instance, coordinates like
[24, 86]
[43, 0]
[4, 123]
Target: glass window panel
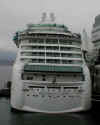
[53, 54]
[53, 61]
[51, 41]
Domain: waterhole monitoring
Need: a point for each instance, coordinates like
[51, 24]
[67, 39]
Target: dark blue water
[22, 118]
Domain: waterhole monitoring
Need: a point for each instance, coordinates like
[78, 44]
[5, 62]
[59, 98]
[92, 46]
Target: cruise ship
[50, 74]
[96, 33]
[96, 50]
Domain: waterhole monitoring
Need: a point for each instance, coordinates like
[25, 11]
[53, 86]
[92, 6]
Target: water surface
[5, 74]
[23, 118]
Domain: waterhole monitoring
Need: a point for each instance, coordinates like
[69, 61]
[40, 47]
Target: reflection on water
[22, 118]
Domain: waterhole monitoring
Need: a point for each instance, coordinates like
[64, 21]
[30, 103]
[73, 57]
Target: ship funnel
[52, 17]
[44, 16]
[46, 19]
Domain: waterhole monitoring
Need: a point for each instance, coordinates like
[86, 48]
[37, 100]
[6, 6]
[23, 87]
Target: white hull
[56, 100]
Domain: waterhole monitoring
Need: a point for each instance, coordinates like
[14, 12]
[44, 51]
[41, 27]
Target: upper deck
[48, 43]
[50, 31]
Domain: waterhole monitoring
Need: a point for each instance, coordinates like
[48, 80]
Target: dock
[5, 92]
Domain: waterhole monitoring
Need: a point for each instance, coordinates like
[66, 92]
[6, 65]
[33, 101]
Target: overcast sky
[15, 14]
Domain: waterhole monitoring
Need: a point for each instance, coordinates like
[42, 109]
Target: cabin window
[52, 48]
[53, 61]
[52, 54]
[96, 72]
[26, 77]
[83, 77]
[43, 78]
[36, 41]
[29, 77]
[51, 41]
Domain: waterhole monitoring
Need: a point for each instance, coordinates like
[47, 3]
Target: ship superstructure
[50, 74]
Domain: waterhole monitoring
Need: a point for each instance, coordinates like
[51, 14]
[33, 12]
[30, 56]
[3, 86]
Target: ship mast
[85, 41]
